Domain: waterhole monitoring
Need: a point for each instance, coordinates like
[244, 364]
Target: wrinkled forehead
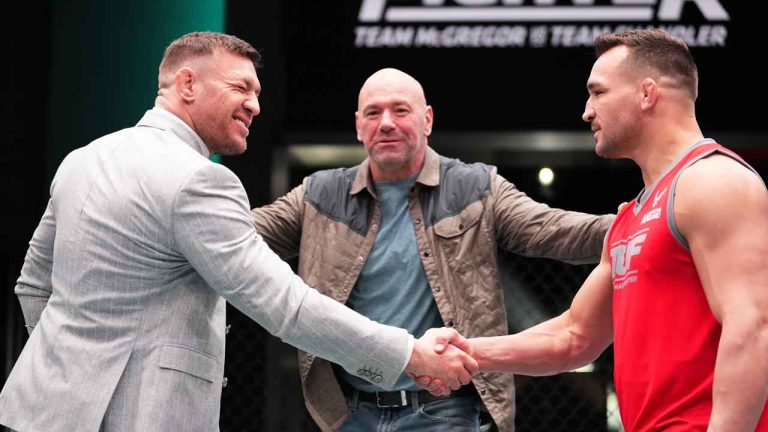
[226, 64]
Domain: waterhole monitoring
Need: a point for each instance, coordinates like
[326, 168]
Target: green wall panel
[104, 59]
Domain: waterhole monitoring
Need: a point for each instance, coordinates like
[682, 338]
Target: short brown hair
[656, 49]
[198, 44]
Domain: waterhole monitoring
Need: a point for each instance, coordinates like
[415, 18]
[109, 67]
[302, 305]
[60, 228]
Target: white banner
[511, 23]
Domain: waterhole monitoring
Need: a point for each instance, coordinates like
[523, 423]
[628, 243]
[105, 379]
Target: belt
[402, 398]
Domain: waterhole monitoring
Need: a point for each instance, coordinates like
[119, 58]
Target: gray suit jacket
[123, 284]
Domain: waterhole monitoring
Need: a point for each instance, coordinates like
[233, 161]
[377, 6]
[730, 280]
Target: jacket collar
[428, 176]
[165, 120]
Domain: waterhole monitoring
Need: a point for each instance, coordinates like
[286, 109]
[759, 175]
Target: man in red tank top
[682, 287]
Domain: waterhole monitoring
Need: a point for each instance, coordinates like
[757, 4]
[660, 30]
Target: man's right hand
[452, 367]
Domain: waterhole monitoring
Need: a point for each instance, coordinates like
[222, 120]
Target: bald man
[409, 238]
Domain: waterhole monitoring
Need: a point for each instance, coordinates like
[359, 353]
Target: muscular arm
[34, 285]
[566, 342]
[534, 229]
[721, 209]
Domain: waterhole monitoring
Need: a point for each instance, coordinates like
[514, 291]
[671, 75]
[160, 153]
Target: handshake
[441, 361]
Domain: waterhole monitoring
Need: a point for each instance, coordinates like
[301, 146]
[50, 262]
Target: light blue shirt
[392, 287]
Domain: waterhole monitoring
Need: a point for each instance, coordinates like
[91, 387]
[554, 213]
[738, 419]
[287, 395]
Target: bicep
[725, 221]
[212, 227]
[590, 317]
[591, 313]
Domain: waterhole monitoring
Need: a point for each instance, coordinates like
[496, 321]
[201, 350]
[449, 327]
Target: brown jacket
[462, 213]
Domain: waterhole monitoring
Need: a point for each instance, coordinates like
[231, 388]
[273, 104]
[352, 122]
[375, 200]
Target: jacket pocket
[188, 360]
[459, 224]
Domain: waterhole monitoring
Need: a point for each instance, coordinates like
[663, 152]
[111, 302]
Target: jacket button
[224, 382]
[360, 259]
[426, 253]
[437, 288]
[461, 226]
[226, 329]
[418, 221]
[483, 392]
[450, 323]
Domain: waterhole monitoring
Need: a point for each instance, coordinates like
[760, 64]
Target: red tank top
[665, 336]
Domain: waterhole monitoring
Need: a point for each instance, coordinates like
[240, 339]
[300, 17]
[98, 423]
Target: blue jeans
[454, 414]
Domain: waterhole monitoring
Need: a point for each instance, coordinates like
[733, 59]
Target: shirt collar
[428, 176]
[163, 119]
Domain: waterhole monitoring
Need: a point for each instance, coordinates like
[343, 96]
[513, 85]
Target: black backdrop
[312, 72]
[481, 88]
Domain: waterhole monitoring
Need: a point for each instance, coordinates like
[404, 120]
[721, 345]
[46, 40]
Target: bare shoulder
[718, 190]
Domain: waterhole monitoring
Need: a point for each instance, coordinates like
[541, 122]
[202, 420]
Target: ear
[649, 93]
[429, 117]
[357, 126]
[184, 81]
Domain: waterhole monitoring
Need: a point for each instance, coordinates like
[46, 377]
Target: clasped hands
[441, 361]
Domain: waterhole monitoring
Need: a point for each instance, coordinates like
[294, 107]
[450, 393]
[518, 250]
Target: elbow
[747, 333]
[762, 336]
[580, 351]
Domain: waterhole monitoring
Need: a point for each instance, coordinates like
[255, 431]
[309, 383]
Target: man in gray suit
[124, 284]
